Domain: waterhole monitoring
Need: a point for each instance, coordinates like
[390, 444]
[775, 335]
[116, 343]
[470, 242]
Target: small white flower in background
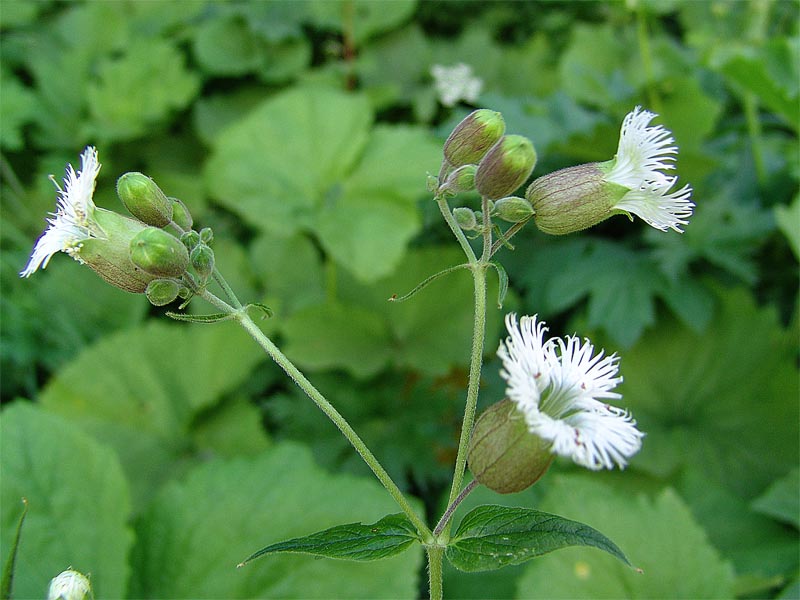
[72, 222]
[69, 585]
[557, 385]
[456, 83]
[643, 154]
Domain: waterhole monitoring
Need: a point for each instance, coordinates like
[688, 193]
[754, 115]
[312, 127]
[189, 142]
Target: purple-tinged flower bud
[144, 199]
[473, 137]
[503, 455]
[505, 167]
[159, 253]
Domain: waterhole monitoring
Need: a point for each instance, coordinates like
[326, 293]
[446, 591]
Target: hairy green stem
[476, 362]
[435, 556]
[444, 207]
[316, 396]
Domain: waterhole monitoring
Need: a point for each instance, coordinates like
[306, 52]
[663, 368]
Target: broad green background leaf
[78, 503]
[274, 166]
[724, 401]
[198, 529]
[140, 391]
[391, 535]
[491, 537]
[658, 534]
[335, 335]
[787, 218]
[139, 89]
[759, 547]
[780, 500]
[361, 18]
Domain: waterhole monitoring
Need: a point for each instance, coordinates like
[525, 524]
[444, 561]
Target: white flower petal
[654, 204]
[71, 223]
[558, 384]
[643, 151]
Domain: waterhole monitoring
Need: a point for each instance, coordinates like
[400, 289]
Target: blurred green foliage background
[157, 455]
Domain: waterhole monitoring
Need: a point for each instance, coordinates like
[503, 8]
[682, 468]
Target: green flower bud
[144, 199]
[465, 217]
[181, 215]
[108, 254]
[503, 455]
[206, 235]
[460, 180]
[513, 209]
[202, 258]
[574, 198]
[69, 585]
[159, 253]
[505, 167]
[162, 291]
[473, 136]
[190, 239]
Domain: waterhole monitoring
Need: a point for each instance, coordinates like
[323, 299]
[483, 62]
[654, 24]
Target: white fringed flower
[644, 152]
[72, 223]
[634, 181]
[456, 83]
[557, 385]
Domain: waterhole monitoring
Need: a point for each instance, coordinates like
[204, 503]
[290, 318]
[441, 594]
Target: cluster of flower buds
[151, 253]
[480, 156]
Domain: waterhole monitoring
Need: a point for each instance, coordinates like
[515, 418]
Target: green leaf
[139, 89]
[491, 537]
[695, 396]
[757, 545]
[337, 335]
[274, 166]
[431, 332]
[141, 390]
[364, 18]
[780, 500]
[17, 105]
[621, 285]
[78, 502]
[212, 318]
[659, 534]
[502, 278]
[787, 218]
[771, 73]
[226, 46]
[367, 235]
[380, 172]
[391, 535]
[190, 540]
[7, 581]
[597, 67]
[290, 270]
